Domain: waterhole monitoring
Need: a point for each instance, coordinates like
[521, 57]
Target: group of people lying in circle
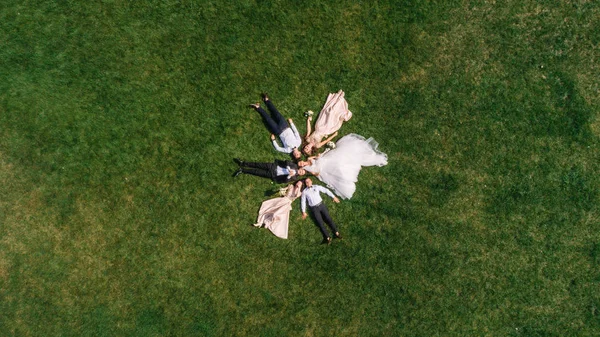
[338, 166]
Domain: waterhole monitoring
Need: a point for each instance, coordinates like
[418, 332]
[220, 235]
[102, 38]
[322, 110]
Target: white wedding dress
[339, 167]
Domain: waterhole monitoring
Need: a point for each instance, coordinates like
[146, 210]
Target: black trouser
[275, 124]
[265, 170]
[320, 212]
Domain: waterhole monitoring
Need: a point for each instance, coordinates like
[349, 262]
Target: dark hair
[293, 182]
[312, 150]
[292, 154]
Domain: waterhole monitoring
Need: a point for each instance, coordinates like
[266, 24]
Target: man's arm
[303, 205]
[279, 148]
[294, 129]
[292, 173]
[326, 191]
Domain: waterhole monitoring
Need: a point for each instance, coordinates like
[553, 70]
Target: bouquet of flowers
[283, 191]
[309, 113]
[331, 145]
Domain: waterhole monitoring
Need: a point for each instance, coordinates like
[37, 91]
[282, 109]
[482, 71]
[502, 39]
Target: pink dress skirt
[334, 113]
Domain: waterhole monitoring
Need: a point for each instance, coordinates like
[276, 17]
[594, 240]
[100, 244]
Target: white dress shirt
[313, 196]
[287, 171]
[290, 138]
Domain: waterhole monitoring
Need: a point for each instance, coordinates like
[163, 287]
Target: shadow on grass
[576, 114]
[594, 253]
[442, 186]
[575, 192]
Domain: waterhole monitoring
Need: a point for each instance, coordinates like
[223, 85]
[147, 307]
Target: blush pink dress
[334, 113]
[274, 214]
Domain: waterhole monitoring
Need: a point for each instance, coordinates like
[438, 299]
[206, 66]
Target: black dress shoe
[327, 241]
[264, 96]
[238, 161]
[337, 236]
[237, 173]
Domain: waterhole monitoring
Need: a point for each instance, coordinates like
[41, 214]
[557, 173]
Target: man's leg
[272, 125]
[256, 172]
[263, 166]
[282, 124]
[267, 170]
[328, 219]
[319, 219]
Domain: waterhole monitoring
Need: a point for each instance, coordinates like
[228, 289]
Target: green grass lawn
[119, 121]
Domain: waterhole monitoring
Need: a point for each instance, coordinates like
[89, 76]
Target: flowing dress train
[274, 213]
[339, 167]
[334, 113]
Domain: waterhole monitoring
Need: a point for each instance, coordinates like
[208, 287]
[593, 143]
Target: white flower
[331, 145]
[308, 113]
[283, 191]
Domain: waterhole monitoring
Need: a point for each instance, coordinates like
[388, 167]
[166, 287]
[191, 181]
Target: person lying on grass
[311, 195]
[339, 166]
[280, 171]
[334, 113]
[274, 214]
[277, 125]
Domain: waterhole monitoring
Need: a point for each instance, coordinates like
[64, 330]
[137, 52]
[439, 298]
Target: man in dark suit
[280, 171]
[312, 196]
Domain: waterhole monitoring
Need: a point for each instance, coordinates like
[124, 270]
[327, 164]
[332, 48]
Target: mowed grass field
[119, 121]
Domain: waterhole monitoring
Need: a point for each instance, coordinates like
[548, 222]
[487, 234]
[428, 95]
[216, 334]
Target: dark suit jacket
[284, 163]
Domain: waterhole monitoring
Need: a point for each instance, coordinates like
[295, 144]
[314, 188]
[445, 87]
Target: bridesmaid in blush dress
[334, 113]
[274, 214]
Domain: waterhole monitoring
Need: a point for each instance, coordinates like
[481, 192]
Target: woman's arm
[327, 140]
[311, 160]
[308, 128]
[298, 191]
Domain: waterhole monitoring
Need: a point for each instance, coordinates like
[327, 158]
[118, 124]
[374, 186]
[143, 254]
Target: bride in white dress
[339, 167]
